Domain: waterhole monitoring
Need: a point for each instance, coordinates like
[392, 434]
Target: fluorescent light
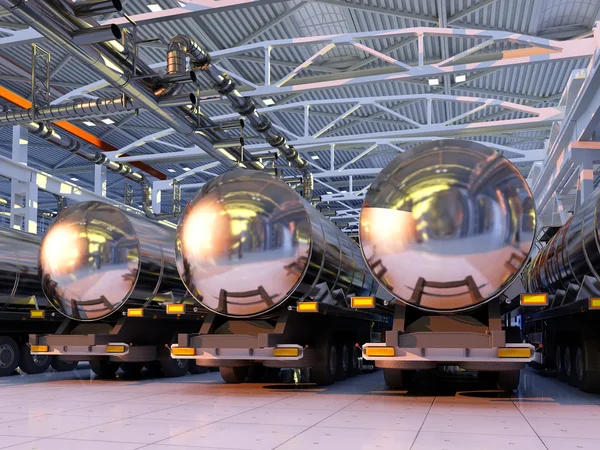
[186, 169]
[268, 101]
[433, 81]
[343, 192]
[74, 179]
[329, 192]
[88, 123]
[460, 78]
[107, 121]
[171, 170]
[154, 7]
[315, 157]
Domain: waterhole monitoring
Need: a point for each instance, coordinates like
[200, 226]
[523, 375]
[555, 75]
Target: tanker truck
[23, 305]
[111, 275]
[564, 290]
[445, 228]
[281, 282]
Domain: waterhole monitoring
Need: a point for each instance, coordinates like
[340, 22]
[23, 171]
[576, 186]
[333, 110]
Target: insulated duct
[447, 225]
[54, 20]
[247, 244]
[75, 110]
[96, 258]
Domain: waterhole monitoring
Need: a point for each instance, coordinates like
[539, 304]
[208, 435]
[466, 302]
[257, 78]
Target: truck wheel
[344, 362]
[325, 372]
[585, 358]
[508, 380]
[132, 369]
[63, 366]
[234, 375]
[174, 367]
[398, 378]
[32, 364]
[559, 363]
[568, 364]
[9, 356]
[353, 367]
[104, 368]
[195, 369]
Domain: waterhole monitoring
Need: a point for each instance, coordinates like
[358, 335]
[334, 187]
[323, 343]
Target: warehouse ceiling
[348, 93]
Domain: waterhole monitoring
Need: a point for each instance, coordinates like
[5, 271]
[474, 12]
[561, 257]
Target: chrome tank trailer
[447, 225]
[248, 244]
[571, 254]
[18, 267]
[95, 258]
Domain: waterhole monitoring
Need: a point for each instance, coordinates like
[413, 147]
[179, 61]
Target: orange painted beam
[80, 133]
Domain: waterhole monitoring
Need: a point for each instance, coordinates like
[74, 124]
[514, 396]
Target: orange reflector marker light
[175, 308]
[37, 314]
[594, 303]
[115, 349]
[362, 302]
[135, 312]
[286, 352]
[183, 351]
[534, 299]
[308, 307]
[514, 352]
[380, 351]
[39, 348]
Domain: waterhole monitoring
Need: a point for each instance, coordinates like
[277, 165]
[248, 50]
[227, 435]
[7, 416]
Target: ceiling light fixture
[74, 179]
[154, 7]
[186, 169]
[315, 157]
[433, 81]
[107, 121]
[460, 78]
[89, 123]
[171, 170]
[268, 101]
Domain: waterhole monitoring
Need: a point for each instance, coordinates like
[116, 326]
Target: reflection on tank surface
[447, 225]
[94, 258]
[248, 242]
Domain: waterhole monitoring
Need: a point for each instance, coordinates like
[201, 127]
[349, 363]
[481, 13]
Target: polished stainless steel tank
[571, 254]
[247, 243]
[447, 225]
[19, 277]
[96, 257]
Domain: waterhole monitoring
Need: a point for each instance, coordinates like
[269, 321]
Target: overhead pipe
[76, 110]
[92, 8]
[53, 20]
[97, 34]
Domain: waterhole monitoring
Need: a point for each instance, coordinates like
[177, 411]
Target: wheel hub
[7, 356]
[181, 363]
[39, 360]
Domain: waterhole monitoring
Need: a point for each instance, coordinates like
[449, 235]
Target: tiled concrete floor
[75, 411]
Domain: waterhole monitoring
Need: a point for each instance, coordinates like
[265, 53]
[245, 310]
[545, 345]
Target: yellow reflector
[36, 314]
[514, 352]
[534, 299]
[308, 307]
[183, 351]
[135, 312]
[115, 349]
[595, 303]
[380, 351]
[39, 348]
[175, 308]
[362, 302]
[285, 351]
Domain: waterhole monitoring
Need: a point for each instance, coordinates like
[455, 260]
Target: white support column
[100, 180]
[586, 179]
[332, 157]
[157, 187]
[23, 195]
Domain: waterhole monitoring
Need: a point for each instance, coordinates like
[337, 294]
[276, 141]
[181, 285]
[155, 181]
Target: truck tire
[398, 378]
[104, 368]
[343, 351]
[234, 375]
[568, 361]
[325, 372]
[354, 365]
[132, 369]
[508, 380]
[9, 356]
[32, 364]
[559, 363]
[195, 369]
[63, 366]
[586, 359]
[174, 367]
